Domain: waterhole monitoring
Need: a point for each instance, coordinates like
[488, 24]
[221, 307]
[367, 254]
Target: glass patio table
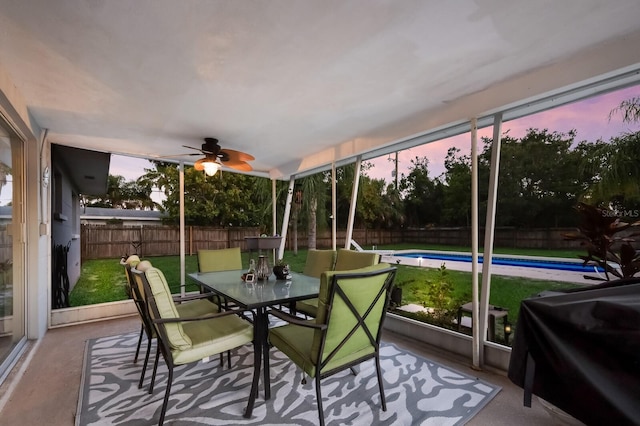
[259, 296]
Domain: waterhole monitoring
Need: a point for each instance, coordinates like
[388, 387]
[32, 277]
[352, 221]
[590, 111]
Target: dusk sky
[590, 118]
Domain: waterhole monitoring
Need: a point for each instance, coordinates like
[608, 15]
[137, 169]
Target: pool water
[508, 261]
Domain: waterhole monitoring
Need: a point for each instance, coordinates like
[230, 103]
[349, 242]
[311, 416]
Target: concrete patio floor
[43, 389]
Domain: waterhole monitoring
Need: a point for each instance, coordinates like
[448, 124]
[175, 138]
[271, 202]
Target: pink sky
[589, 117]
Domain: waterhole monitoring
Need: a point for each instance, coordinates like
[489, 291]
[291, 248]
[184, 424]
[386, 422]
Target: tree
[630, 110]
[123, 194]
[456, 208]
[227, 199]
[618, 173]
[423, 197]
[537, 180]
[379, 204]
[315, 192]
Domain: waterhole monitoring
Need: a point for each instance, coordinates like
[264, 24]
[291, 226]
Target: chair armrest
[196, 296]
[205, 317]
[295, 320]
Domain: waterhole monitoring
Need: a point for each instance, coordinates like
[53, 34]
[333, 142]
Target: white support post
[274, 214]
[334, 208]
[477, 336]
[182, 239]
[490, 225]
[285, 220]
[352, 207]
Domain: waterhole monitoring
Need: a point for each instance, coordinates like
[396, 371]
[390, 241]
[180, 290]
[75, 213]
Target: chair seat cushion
[308, 307]
[213, 336]
[196, 308]
[296, 342]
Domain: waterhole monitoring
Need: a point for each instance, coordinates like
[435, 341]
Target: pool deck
[512, 271]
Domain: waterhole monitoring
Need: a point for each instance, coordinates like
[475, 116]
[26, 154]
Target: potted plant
[281, 270]
[599, 233]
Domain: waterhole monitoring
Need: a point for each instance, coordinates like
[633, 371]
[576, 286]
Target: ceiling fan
[215, 157]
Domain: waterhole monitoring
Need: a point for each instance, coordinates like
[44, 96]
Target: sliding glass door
[12, 289]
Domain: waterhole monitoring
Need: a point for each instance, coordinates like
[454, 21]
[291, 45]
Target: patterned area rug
[418, 391]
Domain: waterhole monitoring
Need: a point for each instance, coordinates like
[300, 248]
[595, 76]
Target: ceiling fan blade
[198, 165]
[237, 155]
[239, 165]
[178, 155]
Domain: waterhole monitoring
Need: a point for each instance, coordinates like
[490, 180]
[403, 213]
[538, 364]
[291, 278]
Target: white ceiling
[301, 83]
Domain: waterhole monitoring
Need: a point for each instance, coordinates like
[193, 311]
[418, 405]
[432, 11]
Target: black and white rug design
[418, 391]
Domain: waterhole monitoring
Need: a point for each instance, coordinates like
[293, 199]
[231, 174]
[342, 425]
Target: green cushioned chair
[318, 261]
[346, 332]
[184, 340]
[186, 308]
[345, 260]
[219, 260]
[129, 263]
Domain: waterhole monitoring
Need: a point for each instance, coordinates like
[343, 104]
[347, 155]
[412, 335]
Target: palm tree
[314, 197]
[630, 110]
[620, 170]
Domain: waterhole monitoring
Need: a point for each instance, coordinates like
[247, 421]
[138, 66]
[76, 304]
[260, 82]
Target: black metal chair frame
[146, 327]
[385, 291]
[165, 349]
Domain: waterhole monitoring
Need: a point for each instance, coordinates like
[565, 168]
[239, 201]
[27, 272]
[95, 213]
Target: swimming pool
[507, 261]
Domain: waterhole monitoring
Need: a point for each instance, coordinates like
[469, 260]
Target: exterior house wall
[102, 216]
[65, 224]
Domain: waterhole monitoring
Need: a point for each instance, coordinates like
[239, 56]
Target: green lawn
[506, 292]
[104, 280]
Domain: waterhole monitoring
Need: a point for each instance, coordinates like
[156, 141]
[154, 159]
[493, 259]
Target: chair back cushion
[129, 263]
[348, 260]
[132, 260]
[138, 287]
[219, 260]
[319, 261]
[361, 291]
[178, 339]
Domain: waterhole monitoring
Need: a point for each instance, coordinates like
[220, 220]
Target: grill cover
[580, 351]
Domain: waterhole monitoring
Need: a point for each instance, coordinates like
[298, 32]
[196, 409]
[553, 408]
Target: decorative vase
[281, 271]
[263, 270]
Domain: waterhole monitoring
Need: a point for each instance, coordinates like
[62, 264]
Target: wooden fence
[113, 241]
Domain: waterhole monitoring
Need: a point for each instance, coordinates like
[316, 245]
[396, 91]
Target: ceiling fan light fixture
[210, 167]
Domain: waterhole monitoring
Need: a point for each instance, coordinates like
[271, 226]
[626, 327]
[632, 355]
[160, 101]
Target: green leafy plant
[443, 306]
[599, 233]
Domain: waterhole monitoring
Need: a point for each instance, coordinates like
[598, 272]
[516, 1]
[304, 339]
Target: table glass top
[260, 293]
